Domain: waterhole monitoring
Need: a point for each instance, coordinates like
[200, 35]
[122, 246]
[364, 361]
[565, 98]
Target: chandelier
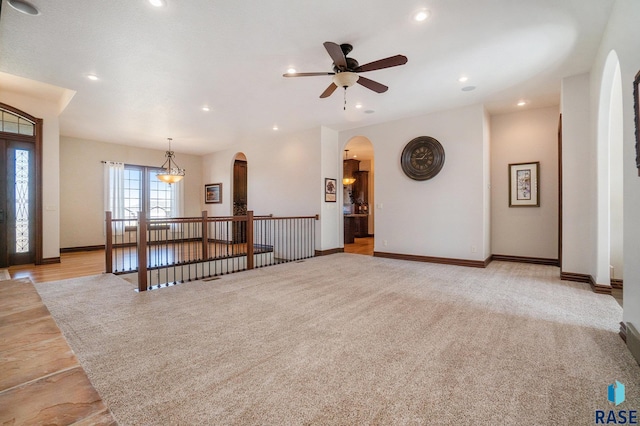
[347, 180]
[171, 172]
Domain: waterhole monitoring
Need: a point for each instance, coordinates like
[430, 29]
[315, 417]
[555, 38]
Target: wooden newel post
[205, 236]
[108, 246]
[142, 251]
[250, 239]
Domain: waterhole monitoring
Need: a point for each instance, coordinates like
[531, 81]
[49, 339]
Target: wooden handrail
[190, 236]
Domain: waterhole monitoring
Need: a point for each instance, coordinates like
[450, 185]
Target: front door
[17, 202]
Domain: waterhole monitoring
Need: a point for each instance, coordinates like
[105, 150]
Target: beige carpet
[348, 339]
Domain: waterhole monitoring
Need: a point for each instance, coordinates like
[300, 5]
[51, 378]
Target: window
[143, 191]
[12, 123]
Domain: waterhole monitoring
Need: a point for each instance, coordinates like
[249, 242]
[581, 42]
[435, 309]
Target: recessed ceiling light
[463, 79]
[358, 106]
[92, 77]
[206, 109]
[522, 103]
[468, 88]
[291, 71]
[158, 3]
[275, 127]
[421, 15]
[24, 7]
[355, 156]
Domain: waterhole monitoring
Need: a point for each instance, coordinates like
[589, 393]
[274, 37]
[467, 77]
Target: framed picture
[213, 193]
[636, 108]
[523, 185]
[330, 190]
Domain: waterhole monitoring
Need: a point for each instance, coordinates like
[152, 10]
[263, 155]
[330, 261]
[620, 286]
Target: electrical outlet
[384, 243]
[474, 249]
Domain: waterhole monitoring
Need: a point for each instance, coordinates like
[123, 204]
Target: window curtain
[177, 202]
[177, 199]
[114, 192]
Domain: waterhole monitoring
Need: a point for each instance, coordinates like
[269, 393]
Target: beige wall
[523, 137]
[441, 217]
[81, 185]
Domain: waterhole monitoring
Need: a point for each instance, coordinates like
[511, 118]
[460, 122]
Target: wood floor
[71, 265]
[84, 263]
[360, 246]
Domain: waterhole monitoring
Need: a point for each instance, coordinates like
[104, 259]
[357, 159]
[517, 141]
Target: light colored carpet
[349, 339]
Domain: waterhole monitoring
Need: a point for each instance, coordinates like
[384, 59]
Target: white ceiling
[158, 67]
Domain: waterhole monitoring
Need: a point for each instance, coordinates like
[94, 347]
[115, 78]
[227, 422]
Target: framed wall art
[213, 193]
[329, 190]
[636, 109]
[523, 185]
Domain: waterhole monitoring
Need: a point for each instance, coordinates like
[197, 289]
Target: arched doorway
[239, 206]
[20, 188]
[610, 177]
[358, 196]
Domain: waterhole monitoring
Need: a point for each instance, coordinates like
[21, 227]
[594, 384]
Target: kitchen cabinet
[361, 188]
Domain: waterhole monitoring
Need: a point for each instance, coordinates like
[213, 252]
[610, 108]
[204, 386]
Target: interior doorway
[240, 174]
[610, 179]
[358, 196]
[19, 197]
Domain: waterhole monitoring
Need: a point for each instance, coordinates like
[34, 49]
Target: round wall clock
[422, 158]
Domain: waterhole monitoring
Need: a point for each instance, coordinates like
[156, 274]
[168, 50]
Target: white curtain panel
[114, 192]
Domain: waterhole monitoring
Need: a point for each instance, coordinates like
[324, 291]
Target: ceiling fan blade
[392, 61]
[329, 90]
[373, 85]
[306, 74]
[335, 51]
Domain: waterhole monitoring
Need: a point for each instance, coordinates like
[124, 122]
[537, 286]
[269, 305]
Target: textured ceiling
[158, 67]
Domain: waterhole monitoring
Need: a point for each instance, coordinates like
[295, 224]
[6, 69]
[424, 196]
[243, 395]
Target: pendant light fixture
[347, 180]
[171, 172]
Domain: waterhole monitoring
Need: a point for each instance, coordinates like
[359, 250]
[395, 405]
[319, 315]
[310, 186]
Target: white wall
[81, 185]
[48, 112]
[578, 182]
[369, 166]
[623, 36]
[284, 178]
[522, 137]
[440, 217]
[616, 173]
[330, 212]
[486, 181]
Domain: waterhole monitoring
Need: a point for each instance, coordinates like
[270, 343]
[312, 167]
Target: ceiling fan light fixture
[24, 7]
[345, 79]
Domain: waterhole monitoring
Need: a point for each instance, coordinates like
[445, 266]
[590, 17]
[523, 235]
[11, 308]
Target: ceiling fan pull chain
[345, 99]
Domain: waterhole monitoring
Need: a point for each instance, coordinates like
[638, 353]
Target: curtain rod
[129, 164]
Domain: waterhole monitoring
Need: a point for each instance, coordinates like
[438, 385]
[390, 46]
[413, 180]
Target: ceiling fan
[346, 70]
